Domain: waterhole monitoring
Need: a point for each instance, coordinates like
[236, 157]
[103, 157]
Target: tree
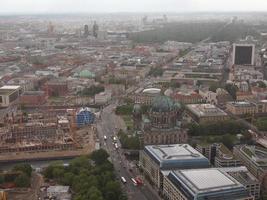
[112, 190]
[89, 181]
[175, 84]
[94, 194]
[231, 89]
[92, 91]
[48, 172]
[198, 83]
[156, 72]
[216, 128]
[124, 110]
[214, 87]
[25, 168]
[261, 124]
[247, 138]
[68, 178]
[99, 156]
[78, 163]
[22, 180]
[2, 179]
[261, 84]
[58, 172]
[228, 141]
[127, 142]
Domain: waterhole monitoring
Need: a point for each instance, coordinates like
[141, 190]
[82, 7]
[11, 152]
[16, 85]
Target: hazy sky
[65, 6]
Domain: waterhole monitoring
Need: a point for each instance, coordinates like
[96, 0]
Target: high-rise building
[95, 29]
[86, 31]
[243, 54]
[50, 28]
[144, 20]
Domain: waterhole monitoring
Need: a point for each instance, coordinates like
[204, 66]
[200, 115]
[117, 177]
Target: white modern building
[9, 94]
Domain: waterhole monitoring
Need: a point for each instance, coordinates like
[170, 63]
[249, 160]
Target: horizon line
[127, 12]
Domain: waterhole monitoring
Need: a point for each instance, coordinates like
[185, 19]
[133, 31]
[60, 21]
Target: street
[108, 126]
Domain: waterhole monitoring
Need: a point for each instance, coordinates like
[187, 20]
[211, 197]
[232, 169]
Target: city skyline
[83, 6]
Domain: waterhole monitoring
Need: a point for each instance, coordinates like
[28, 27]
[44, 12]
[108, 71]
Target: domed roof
[137, 109]
[164, 104]
[86, 74]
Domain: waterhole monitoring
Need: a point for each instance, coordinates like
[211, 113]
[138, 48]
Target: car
[123, 180]
[134, 181]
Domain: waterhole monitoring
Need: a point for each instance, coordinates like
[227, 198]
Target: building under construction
[51, 131]
[3, 195]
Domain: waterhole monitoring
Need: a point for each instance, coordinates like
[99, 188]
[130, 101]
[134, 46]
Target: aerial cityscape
[132, 100]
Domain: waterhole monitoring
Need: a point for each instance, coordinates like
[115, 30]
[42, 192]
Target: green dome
[137, 109]
[164, 104]
[86, 74]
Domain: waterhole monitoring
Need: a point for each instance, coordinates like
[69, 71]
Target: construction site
[43, 135]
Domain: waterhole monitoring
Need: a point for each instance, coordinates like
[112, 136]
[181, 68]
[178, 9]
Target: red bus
[139, 181]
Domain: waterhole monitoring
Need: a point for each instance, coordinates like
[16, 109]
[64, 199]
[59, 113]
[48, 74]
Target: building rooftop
[176, 156]
[204, 183]
[207, 178]
[152, 90]
[202, 110]
[10, 87]
[58, 189]
[257, 154]
[241, 103]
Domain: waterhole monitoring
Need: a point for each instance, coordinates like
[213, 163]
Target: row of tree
[92, 91]
[155, 72]
[261, 124]
[129, 142]
[216, 128]
[20, 175]
[230, 88]
[124, 109]
[90, 177]
[183, 32]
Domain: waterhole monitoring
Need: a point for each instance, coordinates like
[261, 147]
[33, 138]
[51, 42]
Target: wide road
[108, 125]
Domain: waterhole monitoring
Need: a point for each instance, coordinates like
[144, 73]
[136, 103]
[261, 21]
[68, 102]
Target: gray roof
[210, 183]
[176, 156]
[202, 110]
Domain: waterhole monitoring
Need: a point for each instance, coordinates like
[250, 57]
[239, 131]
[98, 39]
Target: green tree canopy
[25, 168]
[22, 180]
[99, 157]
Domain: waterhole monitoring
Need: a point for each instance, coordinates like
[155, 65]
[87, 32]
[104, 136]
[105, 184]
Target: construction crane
[73, 127]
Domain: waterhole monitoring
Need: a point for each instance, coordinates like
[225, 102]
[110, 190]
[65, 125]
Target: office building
[155, 158]
[219, 155]
[56, 88]
[200, 113]
[200, 184]
[243, 54]
[33, 98]
[243, 176]
[86, 31]
[9, 94]
[255, 159]
[102, 98]
[247, 107]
